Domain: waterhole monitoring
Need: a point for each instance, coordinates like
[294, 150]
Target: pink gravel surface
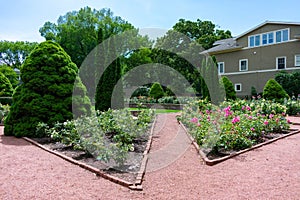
[270, 172]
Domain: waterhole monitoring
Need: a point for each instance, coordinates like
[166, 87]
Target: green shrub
[274, 91]
[253, 91]
[229, 88]
[48, 76]
[6, 89]
[156, 91]
[10, 74]
[141, 91]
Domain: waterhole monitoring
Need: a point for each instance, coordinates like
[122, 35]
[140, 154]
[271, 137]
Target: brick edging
[81, 164]
[218, 160]
[139, 179]
[137, 185]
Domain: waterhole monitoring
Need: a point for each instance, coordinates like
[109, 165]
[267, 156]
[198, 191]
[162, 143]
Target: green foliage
[293, 107]
[108, 136]
[13, 54]
[229, 88]
[6, 89]
[274, 91]
[141, 91]
[78, 31]
[4, 110]
[10, 74]
[156, 91]
[289, 81]
[204, 32]
[253, 91]
[48, 76]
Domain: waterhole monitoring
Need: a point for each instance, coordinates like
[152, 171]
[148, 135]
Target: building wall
[294, 30]
[261, 64]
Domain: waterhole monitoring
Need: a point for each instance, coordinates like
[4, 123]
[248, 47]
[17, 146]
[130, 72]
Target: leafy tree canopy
[13, 54]
[204, 32]
[78, 32]
[10, 74]
[6, 89]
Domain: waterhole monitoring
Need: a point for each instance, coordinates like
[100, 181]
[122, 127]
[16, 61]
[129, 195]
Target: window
[268, 38]
[285, 35]
[238, 87]
[265, 39]
[281, 62]
[278, 36]
[244, 65]
[221, 67]
[257, 40]
[271, 38]
[282, 35]
[251, 41]
[297, 60]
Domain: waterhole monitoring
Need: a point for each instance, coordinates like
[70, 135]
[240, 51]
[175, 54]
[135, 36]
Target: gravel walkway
[270, 172]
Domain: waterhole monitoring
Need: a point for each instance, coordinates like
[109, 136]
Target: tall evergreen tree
[48, 76]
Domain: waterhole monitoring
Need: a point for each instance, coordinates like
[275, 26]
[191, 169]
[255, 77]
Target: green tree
[108, 81]
[253, 91]
[289, 81]
[199, 35]
[229, 88]
[10, 74]
[6, 89]
[13, 54]
[156, 91]
[204, 32]
[274, 91]
[78, 31]
[48, 76]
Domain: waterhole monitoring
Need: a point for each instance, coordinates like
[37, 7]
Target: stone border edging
[218, 160]
[137, 185]
[81, 164]
[139, 179]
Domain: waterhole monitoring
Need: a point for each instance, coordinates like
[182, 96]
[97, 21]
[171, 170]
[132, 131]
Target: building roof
[265, 23]
[223, 45]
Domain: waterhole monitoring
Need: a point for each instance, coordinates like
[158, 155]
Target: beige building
[255, 56]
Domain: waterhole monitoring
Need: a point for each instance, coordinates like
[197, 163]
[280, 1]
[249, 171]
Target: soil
[128, 171]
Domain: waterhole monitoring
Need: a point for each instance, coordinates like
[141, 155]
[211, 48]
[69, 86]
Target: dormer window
[268, 38]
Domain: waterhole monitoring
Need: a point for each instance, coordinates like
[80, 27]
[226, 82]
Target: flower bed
[114, 141]
[234, 125]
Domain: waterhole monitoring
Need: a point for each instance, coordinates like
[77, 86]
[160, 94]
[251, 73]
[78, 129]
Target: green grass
[157, 111]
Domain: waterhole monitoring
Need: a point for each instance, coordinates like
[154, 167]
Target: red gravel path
[270, 172]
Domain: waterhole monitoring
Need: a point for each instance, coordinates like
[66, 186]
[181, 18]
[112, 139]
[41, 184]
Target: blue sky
[21, 19]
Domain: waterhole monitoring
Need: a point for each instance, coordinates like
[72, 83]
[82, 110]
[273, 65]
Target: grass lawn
[157, 111]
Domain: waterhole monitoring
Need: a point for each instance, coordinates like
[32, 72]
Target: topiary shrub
[48, 76]
[274, 91]
[156, 91]
[229, 88]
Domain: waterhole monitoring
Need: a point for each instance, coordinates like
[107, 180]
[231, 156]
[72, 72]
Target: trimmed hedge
[274, 91]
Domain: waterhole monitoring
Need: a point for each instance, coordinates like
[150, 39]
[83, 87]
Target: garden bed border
[218, 160]
[137, 185]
